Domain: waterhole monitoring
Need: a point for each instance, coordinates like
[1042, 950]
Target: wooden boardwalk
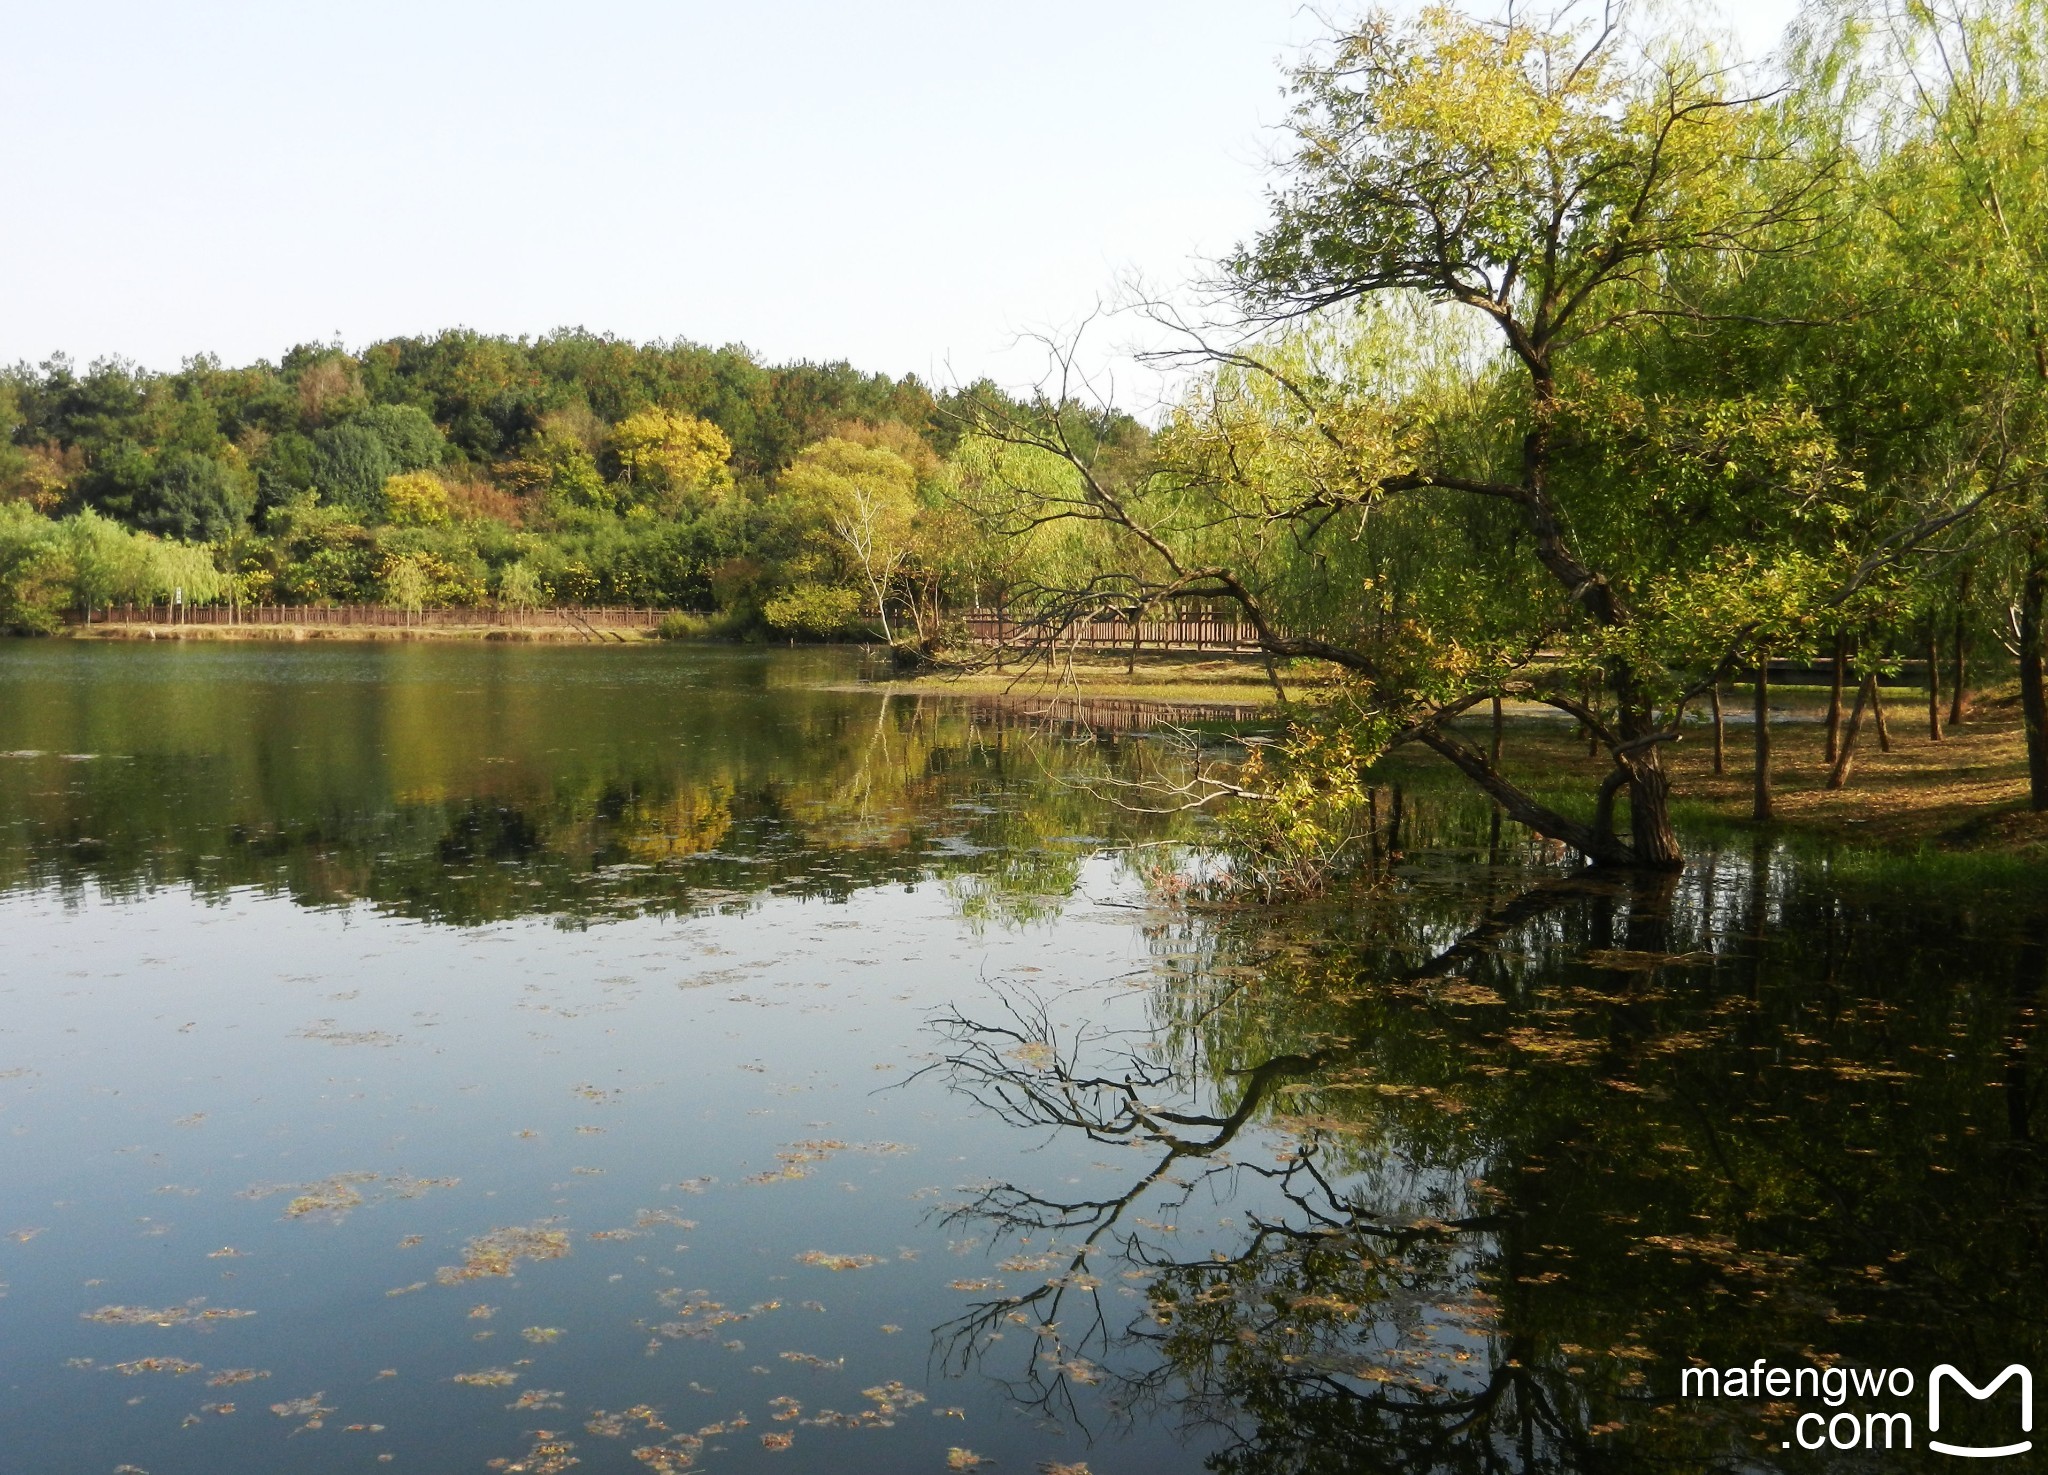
[1186, 635]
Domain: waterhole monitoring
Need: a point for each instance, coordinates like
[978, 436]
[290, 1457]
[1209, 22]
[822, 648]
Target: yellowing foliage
[416, 499]
[672, 460]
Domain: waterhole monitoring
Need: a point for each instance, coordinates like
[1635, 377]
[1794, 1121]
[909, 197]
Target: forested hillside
[462, 469]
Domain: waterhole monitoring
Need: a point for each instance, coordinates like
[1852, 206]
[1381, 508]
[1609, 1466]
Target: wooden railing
[1192, 632]
[549, 617]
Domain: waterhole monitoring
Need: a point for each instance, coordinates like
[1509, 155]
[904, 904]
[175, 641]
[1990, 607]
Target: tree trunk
[1884, 731]
[1835, 699]
[1651, 837]
[1760, 807]
[2033, 696]
[1839, 775]
[1958, 693]
[1720, 731]
[1933, 685]
[1493, 759]
[1653, 844]
[1273, 675]
[1594, 844]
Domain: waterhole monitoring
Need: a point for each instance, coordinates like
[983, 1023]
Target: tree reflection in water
[1496, 1166]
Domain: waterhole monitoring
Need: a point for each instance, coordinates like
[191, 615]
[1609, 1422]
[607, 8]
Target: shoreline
[1964, 796]
[290, 633]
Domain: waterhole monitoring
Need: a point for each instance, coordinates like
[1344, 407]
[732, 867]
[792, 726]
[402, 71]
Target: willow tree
[1562, 188]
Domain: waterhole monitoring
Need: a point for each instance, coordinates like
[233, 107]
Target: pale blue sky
[907, 184]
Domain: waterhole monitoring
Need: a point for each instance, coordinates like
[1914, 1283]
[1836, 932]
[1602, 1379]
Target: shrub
[816, 610]
[31, 570]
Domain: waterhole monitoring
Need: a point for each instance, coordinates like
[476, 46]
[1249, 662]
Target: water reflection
[466, 786]
[1454, 1175]
[1459, 1179]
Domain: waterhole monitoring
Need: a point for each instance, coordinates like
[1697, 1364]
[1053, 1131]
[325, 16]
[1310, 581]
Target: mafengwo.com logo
[1877, 1409]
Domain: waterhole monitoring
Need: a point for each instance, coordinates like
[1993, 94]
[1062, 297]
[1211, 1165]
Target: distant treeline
[464, 468]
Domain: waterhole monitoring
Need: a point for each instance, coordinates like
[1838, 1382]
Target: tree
[105, 560]
[172, 569]
[866, 498]
[199, 499]
[672, 461]
[557, 471]
[1959, 97]
[518, 588]
[1558, 182]
[31, 570]
[406, 584]
[415, 499]
[350, 466]
[410, 438]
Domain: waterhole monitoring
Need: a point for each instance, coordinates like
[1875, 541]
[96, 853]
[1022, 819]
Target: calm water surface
[454, 1059]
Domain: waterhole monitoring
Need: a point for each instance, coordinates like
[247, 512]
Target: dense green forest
[465, 469]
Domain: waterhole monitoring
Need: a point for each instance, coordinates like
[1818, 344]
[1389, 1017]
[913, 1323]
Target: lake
[489, 1057]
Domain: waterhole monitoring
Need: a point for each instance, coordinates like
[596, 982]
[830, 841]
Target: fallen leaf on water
[892, 1396]
[549, 1456]
[498, 1252]
[777, 1441]
[613, 1426]
[168, 1316]
[490, 1377]
[328, 1032]
[308, 1407]
[838, 1262]
[334, 1197]
[963, 1459]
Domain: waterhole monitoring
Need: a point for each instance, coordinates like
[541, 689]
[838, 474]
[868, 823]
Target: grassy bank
[1157, 678]
[1964, 794]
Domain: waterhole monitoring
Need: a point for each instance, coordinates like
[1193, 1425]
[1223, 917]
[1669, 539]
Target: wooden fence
[1193, 632]
[575, 617]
